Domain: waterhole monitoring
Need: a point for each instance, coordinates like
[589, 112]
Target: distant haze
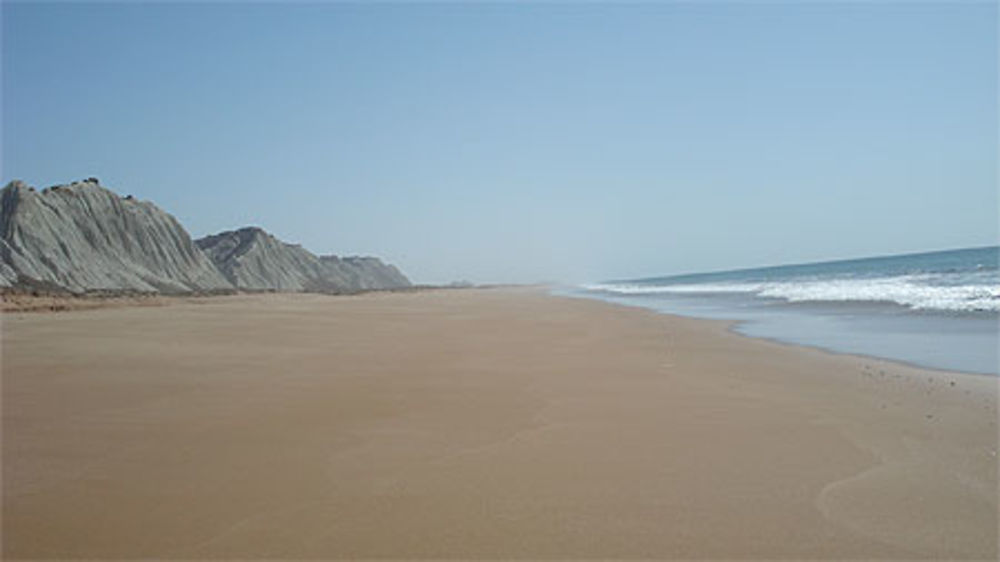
[516, 143]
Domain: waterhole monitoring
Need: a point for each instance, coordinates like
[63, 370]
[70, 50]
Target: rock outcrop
[252, 259]
[82, 237]
[366, 272]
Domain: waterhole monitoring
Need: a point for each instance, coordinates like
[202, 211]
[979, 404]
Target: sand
[12, 302]
[476, 424]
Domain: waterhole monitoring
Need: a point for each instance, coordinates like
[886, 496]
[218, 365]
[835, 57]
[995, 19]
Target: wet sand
[476, 423]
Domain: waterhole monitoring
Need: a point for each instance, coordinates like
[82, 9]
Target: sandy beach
[499, 423]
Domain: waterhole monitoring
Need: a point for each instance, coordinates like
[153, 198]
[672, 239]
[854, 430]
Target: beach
[476, 423]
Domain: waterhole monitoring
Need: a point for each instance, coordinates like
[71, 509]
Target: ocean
[937, 309]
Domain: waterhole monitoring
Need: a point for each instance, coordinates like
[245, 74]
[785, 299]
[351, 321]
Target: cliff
[252, 259]
[82, 237]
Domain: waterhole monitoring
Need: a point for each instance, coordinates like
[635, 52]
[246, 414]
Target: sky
[524, 142]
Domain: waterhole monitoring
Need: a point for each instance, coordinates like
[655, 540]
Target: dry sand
[28, 302]
[476, 423]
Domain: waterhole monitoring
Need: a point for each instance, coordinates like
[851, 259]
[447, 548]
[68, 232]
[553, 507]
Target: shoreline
[750, 327]
[864, 356]
[732, 326]
[487, 423]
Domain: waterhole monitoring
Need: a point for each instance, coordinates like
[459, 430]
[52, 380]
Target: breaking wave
[917, 292]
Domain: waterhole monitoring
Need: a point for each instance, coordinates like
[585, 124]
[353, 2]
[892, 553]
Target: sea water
[938, 309]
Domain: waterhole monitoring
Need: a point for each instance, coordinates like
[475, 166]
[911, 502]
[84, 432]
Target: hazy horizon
[522, 143]
[805, 263]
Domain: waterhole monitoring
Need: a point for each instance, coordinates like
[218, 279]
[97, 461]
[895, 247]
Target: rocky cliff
[81, 237]
[252, 259]
[367, 272]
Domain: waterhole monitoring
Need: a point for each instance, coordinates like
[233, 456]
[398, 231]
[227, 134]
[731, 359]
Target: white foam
[911, 291]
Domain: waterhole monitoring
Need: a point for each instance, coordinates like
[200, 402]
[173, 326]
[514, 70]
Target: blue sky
[524, 142]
